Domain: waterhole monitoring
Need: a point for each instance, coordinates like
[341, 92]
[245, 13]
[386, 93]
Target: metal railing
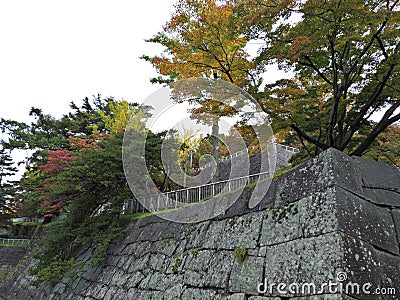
[182, 197]
[16, 242]
[245, 151]
[288, 148]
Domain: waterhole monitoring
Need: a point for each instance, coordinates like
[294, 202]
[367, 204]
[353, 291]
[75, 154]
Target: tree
[122, 113]
[47, 133]
[93, 188]
[346, 58]
[386, 148]
[89, 179]
[211, 100]
[51, 204]
[7, 168]
[203, 37]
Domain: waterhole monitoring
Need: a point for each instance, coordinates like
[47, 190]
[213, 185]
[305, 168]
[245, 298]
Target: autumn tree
[203, 38]
[386, 148]
[211, 100]
[93, 187]
[345, 56]
[51, 204]
[89, 179]
[47, 133]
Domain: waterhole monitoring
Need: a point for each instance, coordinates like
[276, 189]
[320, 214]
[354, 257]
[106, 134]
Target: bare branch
[353, 127]
[308, 138]
[315, 68]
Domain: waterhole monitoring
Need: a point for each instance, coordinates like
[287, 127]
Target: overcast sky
[55, 52]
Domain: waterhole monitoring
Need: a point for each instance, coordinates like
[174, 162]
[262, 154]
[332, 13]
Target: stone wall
[9, 258]
[332, 221]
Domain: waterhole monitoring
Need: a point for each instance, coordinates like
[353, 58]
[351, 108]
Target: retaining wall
[334, 220]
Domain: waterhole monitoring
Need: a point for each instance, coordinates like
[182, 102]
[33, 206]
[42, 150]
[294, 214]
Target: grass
[136, 216]
[282, 171]
[144, 214]
[240, 254]
[27, 223]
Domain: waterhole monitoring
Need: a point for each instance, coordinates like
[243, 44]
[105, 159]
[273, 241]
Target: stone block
[120, 278]
[138, 264]
[378, 175]
[389, 271]
[200, 261]
[246, 275]
[268, 196]
[196, 238]
[317, 213]
[192, 278]
[219, 267]
[396, 219]
[235, 232]
[286, 229]
[162, 282]
[197, 294]
[134, 280]
[307, 260]
[139, 294]
[152, 232]
[366, 221]
[142, 249]
[331, 167]
[110, 294]
[156, 262]
[198, 212]
[240, 206]
[173, 293]
[360, 265]
[238, 296]
[383, 196]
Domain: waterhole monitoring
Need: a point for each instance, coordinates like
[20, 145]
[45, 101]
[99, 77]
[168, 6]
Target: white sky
[55, 52]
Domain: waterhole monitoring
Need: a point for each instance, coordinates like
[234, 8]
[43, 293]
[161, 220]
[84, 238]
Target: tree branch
[381, 126]
[308, 138]
[336, 97]
[368, 46]
[353, 127]
[315, 68]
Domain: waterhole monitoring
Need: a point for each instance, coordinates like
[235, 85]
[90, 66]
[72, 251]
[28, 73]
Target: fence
[182, 197]
[179, 198]
[288, 148]
[14, 242]
[27, 219]
[245, 151]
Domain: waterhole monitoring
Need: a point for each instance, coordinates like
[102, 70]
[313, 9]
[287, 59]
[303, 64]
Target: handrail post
[199, 194]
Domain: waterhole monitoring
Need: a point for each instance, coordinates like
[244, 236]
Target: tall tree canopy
[203, 37]
[344, 56]
[80, 171]
[346, 60]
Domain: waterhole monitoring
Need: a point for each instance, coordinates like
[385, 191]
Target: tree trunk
[215, 148]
